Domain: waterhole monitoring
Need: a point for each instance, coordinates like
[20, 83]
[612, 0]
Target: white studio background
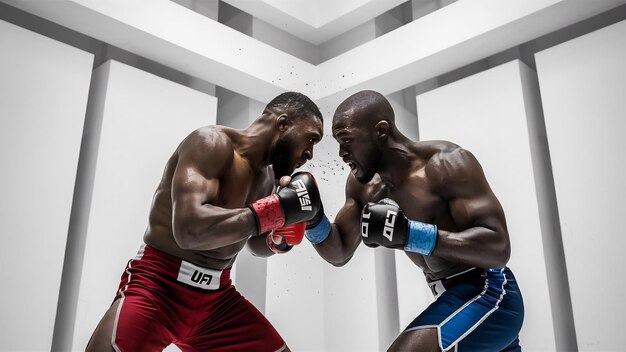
[84, 145]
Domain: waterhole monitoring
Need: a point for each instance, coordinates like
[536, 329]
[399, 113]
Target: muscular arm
[196, 222]
[345, 234]
[483, 239]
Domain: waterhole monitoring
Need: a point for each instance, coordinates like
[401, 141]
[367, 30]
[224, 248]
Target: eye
[314, 139]
[347, 141]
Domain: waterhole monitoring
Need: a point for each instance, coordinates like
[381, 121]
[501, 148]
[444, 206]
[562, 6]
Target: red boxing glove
[291, 235]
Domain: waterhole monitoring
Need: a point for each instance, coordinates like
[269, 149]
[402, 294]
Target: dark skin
[199, 211]
[435, 182]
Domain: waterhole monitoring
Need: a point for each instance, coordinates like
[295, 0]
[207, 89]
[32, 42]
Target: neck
[255, 142]
[396, 161]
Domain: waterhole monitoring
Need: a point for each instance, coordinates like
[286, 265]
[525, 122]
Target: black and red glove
[298, 201]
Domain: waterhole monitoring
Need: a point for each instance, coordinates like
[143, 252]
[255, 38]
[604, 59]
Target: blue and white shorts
[476, 310]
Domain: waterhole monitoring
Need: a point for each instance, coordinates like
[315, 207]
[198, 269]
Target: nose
[343, 152]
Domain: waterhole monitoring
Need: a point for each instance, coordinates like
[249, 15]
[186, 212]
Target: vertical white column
[43, 97]
[583, 89]
[558, 285]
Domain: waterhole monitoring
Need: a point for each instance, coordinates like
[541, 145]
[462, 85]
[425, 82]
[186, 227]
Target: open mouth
[352, 166]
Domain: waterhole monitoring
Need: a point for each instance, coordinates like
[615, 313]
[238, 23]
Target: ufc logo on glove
[303, 195]
[364, 224]
[390, 221]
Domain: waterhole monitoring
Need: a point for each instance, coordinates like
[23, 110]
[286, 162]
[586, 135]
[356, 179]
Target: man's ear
[382, 129]
[282, 121]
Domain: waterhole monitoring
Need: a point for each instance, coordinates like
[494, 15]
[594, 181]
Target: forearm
[209, 227]
[477, 246]
[336, 249]
[338, 241]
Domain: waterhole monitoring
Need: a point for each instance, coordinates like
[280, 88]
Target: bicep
[478, 210]
[195, 182]
[191, 188]
[471, 199]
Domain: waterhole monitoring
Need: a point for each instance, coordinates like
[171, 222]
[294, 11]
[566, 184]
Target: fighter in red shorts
[217, 195]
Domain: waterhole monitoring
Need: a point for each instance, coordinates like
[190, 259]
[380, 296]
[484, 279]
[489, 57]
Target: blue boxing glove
[384, 224]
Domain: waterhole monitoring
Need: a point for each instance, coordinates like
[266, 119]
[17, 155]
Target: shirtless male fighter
[431, 200]
[217, 194]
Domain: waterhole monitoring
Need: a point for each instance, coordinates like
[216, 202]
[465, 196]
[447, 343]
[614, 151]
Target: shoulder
[206, 147]
[451, 157]
[207, 138]
[451, 165]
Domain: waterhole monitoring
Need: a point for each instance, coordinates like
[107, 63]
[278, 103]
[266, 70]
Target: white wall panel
[294, 297]
[486, 114]
[43, 97]
[144, 118]
[583, 89]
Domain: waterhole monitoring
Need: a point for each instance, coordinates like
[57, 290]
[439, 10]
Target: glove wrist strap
[422, 238]
[319, 232]
[268, 213]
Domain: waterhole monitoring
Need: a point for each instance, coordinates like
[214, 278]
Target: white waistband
[197, 276]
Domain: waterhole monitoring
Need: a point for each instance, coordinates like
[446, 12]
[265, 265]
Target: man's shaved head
[365, 109]
[361, 125]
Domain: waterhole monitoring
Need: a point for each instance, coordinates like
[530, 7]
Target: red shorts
[164, 300]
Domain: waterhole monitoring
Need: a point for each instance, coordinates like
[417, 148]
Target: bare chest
[417, 199]
[418, 203]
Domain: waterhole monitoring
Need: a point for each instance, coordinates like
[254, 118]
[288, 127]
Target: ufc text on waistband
[196, 276]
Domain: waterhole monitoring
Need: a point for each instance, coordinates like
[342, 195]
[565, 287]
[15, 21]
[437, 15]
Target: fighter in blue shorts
[431, 200]
[476, 310]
